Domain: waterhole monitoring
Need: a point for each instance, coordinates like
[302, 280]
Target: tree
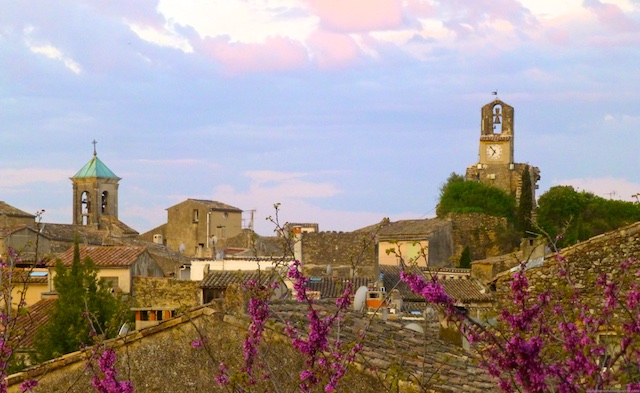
[85, 307]
[465, 258]
[459, 196]
[525, 205]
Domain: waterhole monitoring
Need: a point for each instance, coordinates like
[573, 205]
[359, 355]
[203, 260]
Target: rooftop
[411, 227]
[213, 205]
[104, 256]
[95, 169]
[8, 210]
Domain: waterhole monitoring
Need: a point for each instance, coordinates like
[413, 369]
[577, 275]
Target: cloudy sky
[343, 111]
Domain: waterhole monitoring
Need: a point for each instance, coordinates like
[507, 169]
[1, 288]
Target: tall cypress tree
[84, 307]
[525, 205]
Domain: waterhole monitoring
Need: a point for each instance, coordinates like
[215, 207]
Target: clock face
[494, 152]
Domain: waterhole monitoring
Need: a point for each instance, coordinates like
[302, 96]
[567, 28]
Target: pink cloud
[330, 50]
[611, 16]
[419, 8]
[275, 54]
[357, 15]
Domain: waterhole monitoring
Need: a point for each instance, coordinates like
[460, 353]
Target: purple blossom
[28, 385]
[106, 380]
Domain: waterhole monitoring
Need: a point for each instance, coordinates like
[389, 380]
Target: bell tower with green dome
[95, 193]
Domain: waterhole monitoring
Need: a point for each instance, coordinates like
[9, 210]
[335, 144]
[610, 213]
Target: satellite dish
[360, 298]
[124, 329]
[415, 327]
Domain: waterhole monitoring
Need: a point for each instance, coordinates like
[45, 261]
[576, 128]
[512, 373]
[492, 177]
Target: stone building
[496, 164]
[197, 228]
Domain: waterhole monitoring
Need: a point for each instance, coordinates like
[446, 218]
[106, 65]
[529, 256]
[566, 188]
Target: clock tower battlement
[496, 165]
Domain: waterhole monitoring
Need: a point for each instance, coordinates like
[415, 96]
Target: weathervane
[495, 93]
[94, 147]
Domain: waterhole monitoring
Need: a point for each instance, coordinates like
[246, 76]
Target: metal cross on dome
[94, 147]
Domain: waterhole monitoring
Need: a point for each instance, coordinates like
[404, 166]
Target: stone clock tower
[496, 164]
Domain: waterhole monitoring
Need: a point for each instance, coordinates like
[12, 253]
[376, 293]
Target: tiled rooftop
[333, 288]
[8, 210]
[387, 344]
[215, 205]
[104, 256]
[222, 279]
[27, 324]
[461, 290]
[411, 227]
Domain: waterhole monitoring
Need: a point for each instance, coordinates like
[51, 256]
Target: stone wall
[484, 234]
[344, 251]
[166, 292]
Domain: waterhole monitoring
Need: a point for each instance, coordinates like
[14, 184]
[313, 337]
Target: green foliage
[465, 258]
[460, 196]
[525, 207]
[581, 215]
[84, 310]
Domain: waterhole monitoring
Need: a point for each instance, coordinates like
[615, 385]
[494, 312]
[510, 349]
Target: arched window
[85, 207]
[105, 199]
[497, 119]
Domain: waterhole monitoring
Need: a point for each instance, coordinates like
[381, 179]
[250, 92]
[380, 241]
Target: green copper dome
[95, 168]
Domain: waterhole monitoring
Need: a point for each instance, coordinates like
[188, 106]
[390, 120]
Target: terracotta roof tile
[28, 324]
[104, 256]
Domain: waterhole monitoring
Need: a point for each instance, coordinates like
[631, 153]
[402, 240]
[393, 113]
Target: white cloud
[166, 38]
[54, 53]
[554, 8]
[606, 187]
[247, 22]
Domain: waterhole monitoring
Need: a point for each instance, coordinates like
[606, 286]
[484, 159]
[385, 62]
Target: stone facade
[348, 253]
[166, 292]
[483, 234]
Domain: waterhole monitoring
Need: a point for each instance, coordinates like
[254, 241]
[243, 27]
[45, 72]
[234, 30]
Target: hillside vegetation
[581, 215]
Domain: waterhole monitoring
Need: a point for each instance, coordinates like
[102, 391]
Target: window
[111, 282]
[105, 198]
[195, 215]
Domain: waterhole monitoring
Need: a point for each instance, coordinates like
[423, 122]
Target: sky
[343, 111]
